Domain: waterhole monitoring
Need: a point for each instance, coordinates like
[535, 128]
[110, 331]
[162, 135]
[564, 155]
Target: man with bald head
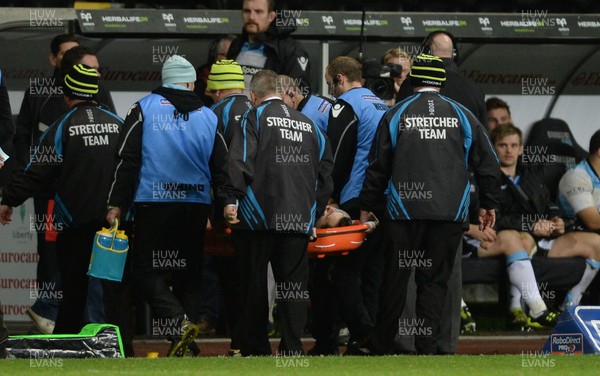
[458, 87]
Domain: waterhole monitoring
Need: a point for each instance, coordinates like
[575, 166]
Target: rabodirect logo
[566, 344]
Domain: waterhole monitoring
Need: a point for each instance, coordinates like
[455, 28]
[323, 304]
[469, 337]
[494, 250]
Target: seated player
[579, 200]
[527, 210]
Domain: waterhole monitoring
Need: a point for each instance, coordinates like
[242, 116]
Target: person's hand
[368, 218]
[365, 216]
[487, 218]
[5, 214]
[1, 164]
[112, 214]
[559, 226]
[313, 234]
[487, 235]
[543, 228]
[230, 214]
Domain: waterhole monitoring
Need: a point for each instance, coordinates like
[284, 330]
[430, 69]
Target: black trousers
[117, 297]
[428, 247]
[289, 258]
[323, 305]
[230, 283]
[348, 287]
[169, 242]
[449, 322]
[73, 251]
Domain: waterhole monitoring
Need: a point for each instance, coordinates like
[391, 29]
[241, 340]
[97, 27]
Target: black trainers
[548, 318]
[180, 344]
[319, 351]
[3, 354]
[357, 349]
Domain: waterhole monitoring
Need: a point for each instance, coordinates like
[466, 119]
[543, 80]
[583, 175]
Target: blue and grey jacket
[422, 153]
[352, 125]
[317, 108]
[168, 151]
[229, 111]
[76, 156]
[279, 167]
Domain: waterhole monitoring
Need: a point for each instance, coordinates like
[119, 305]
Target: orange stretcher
[330, 241]
[338, 240]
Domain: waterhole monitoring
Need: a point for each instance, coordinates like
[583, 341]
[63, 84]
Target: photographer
[399, 57]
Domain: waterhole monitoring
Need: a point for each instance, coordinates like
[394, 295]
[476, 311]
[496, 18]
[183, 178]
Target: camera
[379, 78]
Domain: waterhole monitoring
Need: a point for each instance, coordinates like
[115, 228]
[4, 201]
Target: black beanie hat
[81, 82]
[427, 70]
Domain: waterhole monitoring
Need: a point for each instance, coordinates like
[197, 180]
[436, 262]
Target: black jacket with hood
[284, 54]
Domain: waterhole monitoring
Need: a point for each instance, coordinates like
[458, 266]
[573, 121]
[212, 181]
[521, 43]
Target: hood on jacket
[183, 100]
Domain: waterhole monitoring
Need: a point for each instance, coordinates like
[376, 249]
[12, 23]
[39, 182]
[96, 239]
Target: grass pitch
[526, 364]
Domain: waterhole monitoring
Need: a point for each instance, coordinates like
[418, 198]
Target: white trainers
[44, 325]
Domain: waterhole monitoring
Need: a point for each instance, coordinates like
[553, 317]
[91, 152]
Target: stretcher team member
[279, 166]
[424, 148]
[77, 153]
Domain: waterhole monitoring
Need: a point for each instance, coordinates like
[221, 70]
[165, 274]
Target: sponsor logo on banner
[407, 25]
[87, 19]
[485, 23]
[203, 22]
[328, 21]
[124, 19]
[566, 344]
[169, 19]
[588, 24]
[563, 27]
[356, 23]
[444, 23]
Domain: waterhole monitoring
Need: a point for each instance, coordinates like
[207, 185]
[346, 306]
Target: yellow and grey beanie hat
[81, 82]
[427, 70]
[225, 74]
